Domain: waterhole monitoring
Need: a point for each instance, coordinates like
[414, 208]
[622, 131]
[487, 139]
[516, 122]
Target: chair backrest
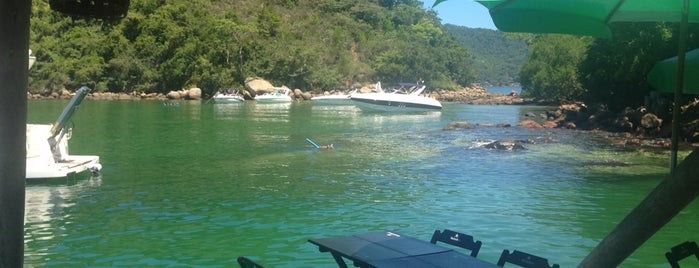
[248, 263]
[457, 239]
[523, 260]
[682, 251]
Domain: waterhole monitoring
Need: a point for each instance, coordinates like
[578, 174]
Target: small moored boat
[280, 94]
[221, 97]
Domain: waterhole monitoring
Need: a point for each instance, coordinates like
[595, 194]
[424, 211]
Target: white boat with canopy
[402, 99]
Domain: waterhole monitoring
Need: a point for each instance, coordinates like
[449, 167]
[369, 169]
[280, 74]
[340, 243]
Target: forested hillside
[307, 44]
[496, 57]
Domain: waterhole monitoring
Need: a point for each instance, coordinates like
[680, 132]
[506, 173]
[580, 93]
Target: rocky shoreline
[474, 95]
[631, 128]
[254, 86]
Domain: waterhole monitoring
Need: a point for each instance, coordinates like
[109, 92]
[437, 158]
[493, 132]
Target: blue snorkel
[312, 142]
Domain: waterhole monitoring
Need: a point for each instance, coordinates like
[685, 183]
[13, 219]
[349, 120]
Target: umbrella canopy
[593, 17]
[663, 76]
[583, 17]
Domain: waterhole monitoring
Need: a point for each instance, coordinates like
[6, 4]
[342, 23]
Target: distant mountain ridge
[496, 57]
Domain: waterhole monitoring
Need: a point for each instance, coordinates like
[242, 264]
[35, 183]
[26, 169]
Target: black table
[391, 249]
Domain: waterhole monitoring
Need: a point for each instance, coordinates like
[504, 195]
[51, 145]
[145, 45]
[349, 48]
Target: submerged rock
[606, 163]
[454, 125]
[505, 145]
[458, 125]
[529, 124]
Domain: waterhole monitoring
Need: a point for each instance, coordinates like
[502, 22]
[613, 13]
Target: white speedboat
[396, 101]
[335, 99]
[47, 147]
[221, 97]
[279, 95]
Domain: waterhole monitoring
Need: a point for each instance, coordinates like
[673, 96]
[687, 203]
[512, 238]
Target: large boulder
[621, 124]
[257, 85]
[247, 95]
[298, 94]
[174, 95]
[64, 93]
[194, 93]
[650, 120]
[550, 124]
[307, 95]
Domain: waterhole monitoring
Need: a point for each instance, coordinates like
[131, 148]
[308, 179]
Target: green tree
[496, 56]
[615, 69]
[308, 44]
[551, 71]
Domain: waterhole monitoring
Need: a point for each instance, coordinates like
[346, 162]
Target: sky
[462, 13]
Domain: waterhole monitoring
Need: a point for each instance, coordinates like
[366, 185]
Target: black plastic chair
[682, 251]
[457, 239]
[248, 263]
[525, 260]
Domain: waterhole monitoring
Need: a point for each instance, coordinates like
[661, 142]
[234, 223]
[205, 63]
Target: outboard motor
[60, 127]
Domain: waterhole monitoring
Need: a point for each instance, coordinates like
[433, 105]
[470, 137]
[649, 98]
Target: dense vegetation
[497, 56]
[308, 44]
[326, 44]
[609, 72]
[550, 73]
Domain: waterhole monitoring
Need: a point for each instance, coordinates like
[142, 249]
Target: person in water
[328, 146]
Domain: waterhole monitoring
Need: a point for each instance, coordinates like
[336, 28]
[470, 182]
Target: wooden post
[665, 201]
[14, 53]
[681, 50]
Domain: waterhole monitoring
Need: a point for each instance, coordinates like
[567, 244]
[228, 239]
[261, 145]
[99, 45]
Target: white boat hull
[394, 102]
[74, 164]
[273, 98]
[41, 163]
[279, 95]
[333, 100]
[228, 98]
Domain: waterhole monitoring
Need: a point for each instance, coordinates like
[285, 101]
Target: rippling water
[198, 184]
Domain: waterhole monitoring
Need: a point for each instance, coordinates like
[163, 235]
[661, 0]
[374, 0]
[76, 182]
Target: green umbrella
[593, 17]
[583, 17]
[663, 74]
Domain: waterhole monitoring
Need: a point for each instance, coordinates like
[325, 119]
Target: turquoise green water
[198, 184]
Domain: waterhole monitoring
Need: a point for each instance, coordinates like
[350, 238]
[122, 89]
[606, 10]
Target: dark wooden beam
[14, 49]
[672, 195]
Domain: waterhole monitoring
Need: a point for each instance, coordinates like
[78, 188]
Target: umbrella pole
[679, 85]
[14, 52]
